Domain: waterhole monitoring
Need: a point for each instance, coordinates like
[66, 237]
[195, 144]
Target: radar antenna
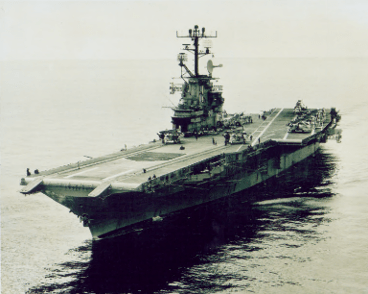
[195, 35]
[210, 66]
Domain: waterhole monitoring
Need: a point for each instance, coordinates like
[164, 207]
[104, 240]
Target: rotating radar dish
[210, 66]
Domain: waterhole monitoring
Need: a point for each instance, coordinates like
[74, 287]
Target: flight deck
[134, 166]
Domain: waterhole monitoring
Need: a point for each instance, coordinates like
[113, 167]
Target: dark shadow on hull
[148, 260]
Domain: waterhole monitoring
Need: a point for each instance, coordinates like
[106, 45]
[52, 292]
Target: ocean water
[305, 234]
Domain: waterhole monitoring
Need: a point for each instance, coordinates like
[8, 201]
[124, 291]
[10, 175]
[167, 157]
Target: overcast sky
[146, 29]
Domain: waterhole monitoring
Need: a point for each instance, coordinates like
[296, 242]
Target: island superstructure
[200, 106]
[207, 154]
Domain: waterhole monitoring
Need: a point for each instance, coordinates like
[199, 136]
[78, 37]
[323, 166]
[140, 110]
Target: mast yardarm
[195, 35]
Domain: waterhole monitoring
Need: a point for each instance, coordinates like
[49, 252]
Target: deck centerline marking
[119, 174]
[240, 147]
[259, 136]
[70, 176]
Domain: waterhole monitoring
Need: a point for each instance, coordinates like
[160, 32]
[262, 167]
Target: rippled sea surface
[305, 232]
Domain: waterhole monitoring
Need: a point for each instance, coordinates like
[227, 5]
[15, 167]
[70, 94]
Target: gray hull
[118, 213]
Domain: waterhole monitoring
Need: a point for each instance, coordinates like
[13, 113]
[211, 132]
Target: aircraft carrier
[208, 154]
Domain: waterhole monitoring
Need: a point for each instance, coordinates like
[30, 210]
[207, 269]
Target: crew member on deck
[227, 138]
[162, 137]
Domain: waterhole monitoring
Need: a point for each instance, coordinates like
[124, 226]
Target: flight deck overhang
[96, 188]
[288, 142]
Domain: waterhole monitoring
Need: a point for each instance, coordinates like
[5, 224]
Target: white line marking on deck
[239, 148]
[119, 174]
[80, 173]
[286, 135]
[259, 136]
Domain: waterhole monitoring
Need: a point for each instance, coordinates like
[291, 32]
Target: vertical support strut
[196, 56]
